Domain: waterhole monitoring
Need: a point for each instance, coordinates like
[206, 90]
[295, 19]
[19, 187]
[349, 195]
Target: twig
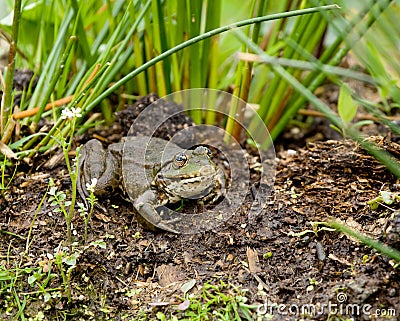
[8, 39]
[314, 113]
[6, 103]
[34, 111]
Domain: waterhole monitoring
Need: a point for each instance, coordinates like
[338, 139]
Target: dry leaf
[168, 274]
[184, 305]
[188, 286]
[252, 258]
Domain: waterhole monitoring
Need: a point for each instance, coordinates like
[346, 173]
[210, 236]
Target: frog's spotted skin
[186, 174]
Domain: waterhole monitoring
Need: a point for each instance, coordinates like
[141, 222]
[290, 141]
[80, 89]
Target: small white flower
[90, 187]
[71, 113]
[66, 114]
[53, 191]
[77, 112]
[81, 206]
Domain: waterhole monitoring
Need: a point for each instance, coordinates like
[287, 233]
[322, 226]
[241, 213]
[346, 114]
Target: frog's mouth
[189, 186]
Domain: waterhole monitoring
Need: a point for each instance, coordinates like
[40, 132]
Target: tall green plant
[69, 75]
[194, 40]
[301, 41]
[391, 163]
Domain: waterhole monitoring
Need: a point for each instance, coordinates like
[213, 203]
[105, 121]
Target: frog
[134, 167]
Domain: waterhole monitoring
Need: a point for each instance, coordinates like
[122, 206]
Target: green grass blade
[138, 58]
[84, 44]
[211, 55]
[379, 246]
[161, 32]
[157, 25]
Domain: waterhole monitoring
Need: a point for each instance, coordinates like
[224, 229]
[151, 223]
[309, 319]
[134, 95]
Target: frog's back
[141, 154]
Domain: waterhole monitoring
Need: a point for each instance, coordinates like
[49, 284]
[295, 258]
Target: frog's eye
[202, 150]
[180, 160]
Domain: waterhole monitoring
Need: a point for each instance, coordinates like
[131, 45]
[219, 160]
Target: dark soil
[278, 256]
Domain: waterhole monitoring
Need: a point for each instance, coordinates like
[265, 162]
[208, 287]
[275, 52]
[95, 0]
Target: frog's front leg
[103, 165]
[145, 206]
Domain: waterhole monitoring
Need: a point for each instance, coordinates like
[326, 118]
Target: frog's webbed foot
[145, 206]
[219, 190]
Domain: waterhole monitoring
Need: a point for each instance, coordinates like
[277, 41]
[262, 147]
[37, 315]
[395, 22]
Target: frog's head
[191, 174]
